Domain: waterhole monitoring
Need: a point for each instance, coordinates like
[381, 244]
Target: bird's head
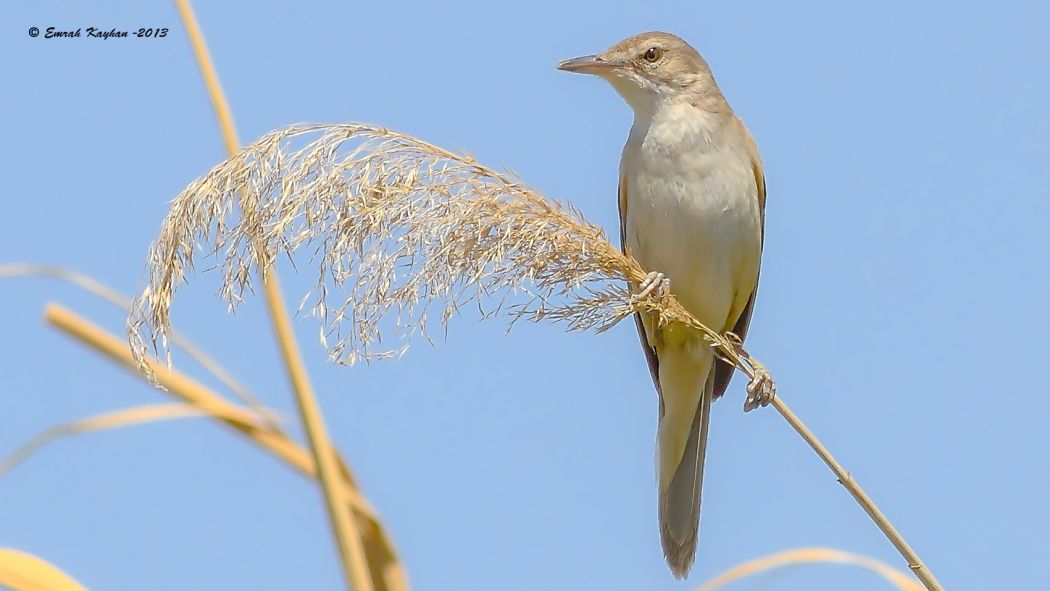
[649, 68]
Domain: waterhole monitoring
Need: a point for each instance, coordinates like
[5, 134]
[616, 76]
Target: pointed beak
[588, 64]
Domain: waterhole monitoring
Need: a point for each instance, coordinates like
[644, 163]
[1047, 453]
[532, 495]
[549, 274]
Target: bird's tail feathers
[679, 504]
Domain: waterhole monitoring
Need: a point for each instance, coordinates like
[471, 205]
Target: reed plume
[398, 228]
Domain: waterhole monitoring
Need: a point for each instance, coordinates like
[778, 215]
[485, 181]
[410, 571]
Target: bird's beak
[588, 64]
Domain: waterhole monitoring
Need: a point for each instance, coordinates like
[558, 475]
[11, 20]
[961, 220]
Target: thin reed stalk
[917, 566]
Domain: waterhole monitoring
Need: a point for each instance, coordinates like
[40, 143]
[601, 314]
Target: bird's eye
[652, 55]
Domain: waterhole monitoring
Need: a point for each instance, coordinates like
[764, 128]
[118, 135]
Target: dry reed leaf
[380, 553]
[96, 287]
[21, 571]
[125, 418]
[398, 228]
[809, 556]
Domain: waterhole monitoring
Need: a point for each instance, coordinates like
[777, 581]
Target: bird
[691, 199]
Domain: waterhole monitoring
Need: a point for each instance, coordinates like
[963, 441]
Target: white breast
[692, 210]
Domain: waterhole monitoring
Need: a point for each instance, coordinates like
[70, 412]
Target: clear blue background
[902, 308]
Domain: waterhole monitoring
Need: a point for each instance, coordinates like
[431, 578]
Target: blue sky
[902, 306]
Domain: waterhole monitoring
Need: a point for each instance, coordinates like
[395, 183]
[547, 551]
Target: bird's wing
[724, 371]
[650, 351]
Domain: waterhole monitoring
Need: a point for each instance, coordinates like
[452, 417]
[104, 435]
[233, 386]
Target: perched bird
[692, 199]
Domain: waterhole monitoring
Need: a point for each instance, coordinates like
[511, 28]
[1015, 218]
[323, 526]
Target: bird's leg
[760, 390]
[654, 282]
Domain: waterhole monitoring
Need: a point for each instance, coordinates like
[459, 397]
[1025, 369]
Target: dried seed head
[397, 227]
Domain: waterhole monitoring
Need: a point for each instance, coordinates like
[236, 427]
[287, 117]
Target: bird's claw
[760, 390]
[655, 283]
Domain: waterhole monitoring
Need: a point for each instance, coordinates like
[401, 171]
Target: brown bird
[692, 200]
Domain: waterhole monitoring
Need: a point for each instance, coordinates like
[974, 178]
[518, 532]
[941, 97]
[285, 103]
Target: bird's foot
[761, 390]
[656, 283]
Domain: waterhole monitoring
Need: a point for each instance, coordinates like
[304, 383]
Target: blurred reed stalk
[21, 571]
[351, 552]
[810, 556]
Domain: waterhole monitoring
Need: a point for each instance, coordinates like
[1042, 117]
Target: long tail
[680, 493]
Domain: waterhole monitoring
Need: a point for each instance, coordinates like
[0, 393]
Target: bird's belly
[702, 230]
